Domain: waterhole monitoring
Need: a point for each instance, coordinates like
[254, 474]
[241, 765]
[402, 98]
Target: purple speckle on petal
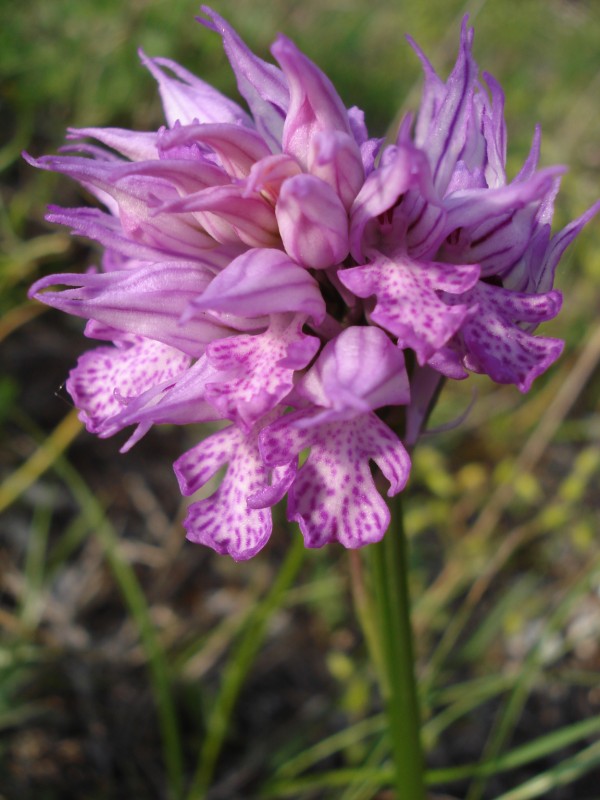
[280, 275]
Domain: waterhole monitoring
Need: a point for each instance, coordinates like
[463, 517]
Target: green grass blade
[137, 607]
[520, 756]
[562, 774]
[364, 791]
[31, 599]
[237, 668]
[157, 663]
[372, 776]
[579, 585]
[44, 457]
[332, 744]
[470, 698]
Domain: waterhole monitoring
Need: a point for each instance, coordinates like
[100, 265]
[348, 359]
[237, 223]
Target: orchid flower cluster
[278, 269]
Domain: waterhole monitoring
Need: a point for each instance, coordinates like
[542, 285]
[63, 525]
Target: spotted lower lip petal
[275, 269]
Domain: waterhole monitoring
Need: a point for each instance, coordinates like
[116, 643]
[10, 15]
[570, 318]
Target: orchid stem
[389, 573]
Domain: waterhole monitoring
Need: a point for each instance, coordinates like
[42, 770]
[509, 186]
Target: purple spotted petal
[312, 221]
[282, 477]
[176, 401]
[224, 521]
[107, 377]
[271, 268]
[333, 497]
[254, 373]
[495, 343]
[408, 303]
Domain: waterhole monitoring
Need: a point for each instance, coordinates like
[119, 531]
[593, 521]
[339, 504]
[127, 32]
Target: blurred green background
[131, 661]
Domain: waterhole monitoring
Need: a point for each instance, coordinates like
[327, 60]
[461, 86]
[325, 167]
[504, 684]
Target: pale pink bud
[335, 158]
[312, 222]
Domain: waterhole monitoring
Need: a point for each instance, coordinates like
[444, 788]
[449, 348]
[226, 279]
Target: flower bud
[313, 223]
[335, 158]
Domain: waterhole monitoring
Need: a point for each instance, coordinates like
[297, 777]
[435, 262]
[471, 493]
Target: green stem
[389, 573]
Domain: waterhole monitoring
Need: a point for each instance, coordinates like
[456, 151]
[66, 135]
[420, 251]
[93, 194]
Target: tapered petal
[494, 133]
[425, 386]
[148, 302]
[262, 85]
[188, 99]
[106, 229]
[134, 191]
[237, 148]
[135, 145]
[442, 130]
[541, 272]
[263, 281]
[494, 227]
[315, 105]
